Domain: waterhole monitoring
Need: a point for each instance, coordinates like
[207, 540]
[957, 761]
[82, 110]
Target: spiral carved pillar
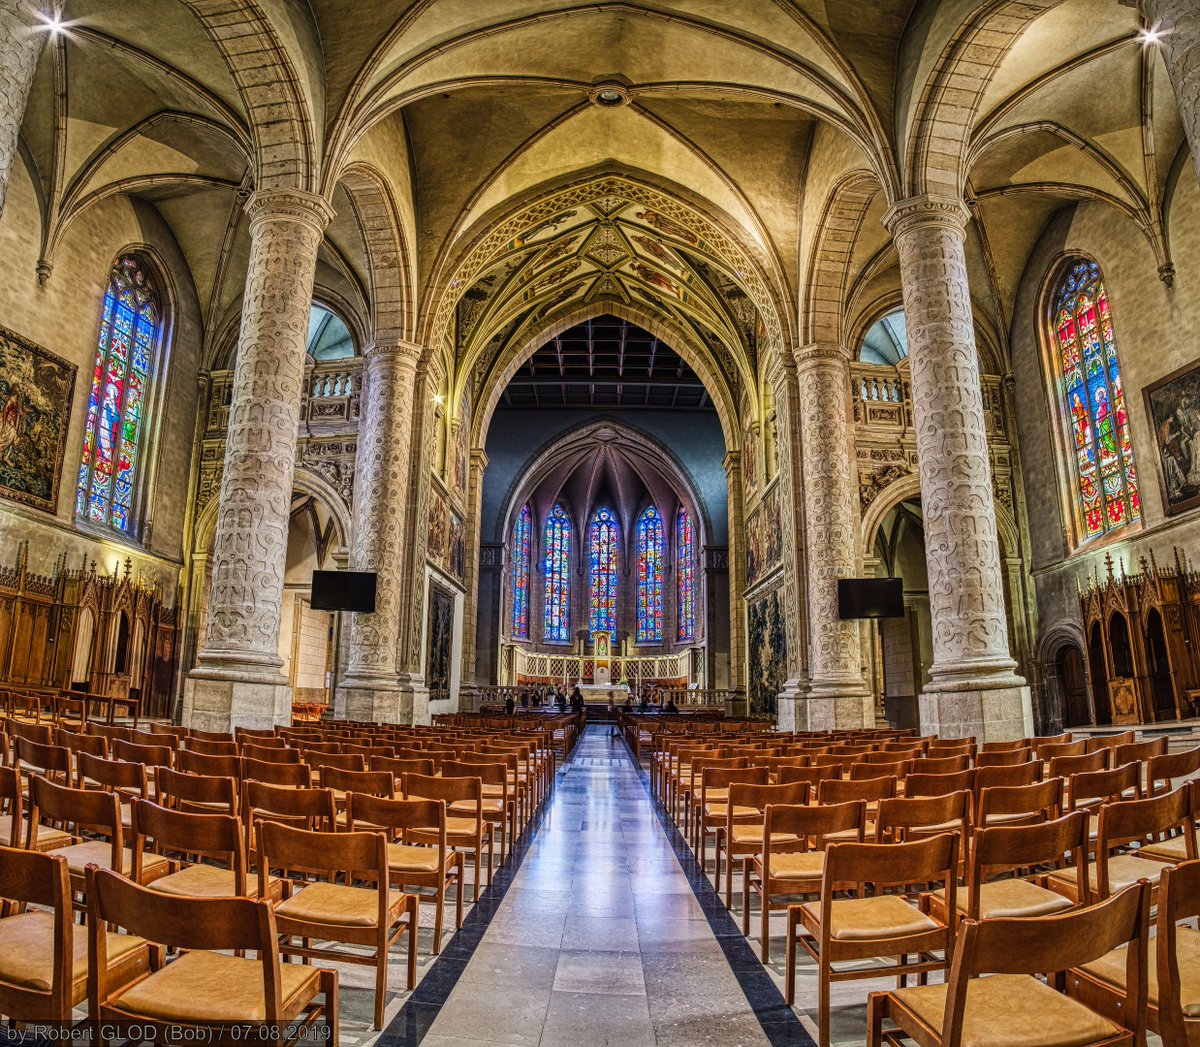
[21, 36]
[974, 688]
[371, 688]
[237, 681]
[837, 696]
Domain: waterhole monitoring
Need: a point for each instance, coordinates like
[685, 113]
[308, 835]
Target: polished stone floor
[601, 937]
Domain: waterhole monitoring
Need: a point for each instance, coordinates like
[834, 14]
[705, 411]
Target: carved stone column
[1177, 23]
[973, 688]
[371, 687]
[22, 33]
[238, 680]
[737, 585]
[838, 698]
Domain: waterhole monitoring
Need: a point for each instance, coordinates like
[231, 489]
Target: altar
[600, 694]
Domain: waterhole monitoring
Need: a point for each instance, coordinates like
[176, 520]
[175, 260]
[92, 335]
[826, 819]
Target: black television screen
[343, 591]
[870, 598]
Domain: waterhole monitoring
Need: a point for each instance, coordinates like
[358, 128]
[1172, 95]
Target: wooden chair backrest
[726, 777]
[761, 795]
[342, 761]
[42, 733]
[12, 803]
[1047, 751]
[1162, 770]
[919, 783]
[153, 738]
[940, 764]
[210, 748]
[1104, 785]
[862, 771]
[1126, 821]
[868, 789]
[931, 860]
[150, 755]
[399, 815]
[1003, 747]
[210, 736]
[488, 773]
[1003, 757]
[900, 817]
[271, 754]
[1065, 766]
[96, 744]
[50, 759]
[211, 835]
[1178, 900]
[295, 775]
[1034, 945]
[360, 855]
[119, 775]
[198, 763]
[1018, 774]
[398, 766]
[1139, 751]
[372, 783]
[1008, 848]
[814, 823]
[1111, 741]
[1038, 799]
[449, 789]
[310, 808]
[813, 775]
[177, 789]
[62, 805]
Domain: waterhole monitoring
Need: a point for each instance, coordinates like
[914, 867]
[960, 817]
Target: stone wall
[1157, 329]
[63, 315]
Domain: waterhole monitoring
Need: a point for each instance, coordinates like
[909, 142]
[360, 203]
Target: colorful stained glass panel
[602, 552]
[556, 569]
[650, 576]
[520, 574]
[685, 553]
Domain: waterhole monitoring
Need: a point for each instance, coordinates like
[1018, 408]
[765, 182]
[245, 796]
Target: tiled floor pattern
[600, 938]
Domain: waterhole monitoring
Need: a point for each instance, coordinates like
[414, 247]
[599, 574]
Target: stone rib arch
[939, 134]
[280, 116]
[832, 250]
[389, 258]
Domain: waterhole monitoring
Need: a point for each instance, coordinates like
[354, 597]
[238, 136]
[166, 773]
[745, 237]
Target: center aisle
[600, 937]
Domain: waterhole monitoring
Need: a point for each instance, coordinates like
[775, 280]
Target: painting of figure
[35, 409]
[764, 538]
[1173, 405]
[441, 639]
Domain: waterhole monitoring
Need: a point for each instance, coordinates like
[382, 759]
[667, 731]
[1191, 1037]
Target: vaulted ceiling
[461, 114]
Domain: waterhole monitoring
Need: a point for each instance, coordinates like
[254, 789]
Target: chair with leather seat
[193, 844]
[49, 761]
[95, 811]
[1162, 772]
[271, 753]
[1066, 766]
[1174, 848]
[311, 809]
[399, 766]
[914, 817]
[1123, 823]
[43, 952]
[1019, 804]
[192, 762]
[270, 772]
[1003, 757]
[711, 803]
[994, 995]
[198, 793]
[412, 862]
[1004, 877]
[128, 781]
[466, 827]
[203, 986]
[136, 752]
[791, 857]
[922, 783]
[320, 908]
[741, 836]
[499, 804]
[875, 924]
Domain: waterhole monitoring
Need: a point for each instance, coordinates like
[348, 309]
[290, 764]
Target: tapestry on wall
[441, 637]
[1173, 404]
[767, 640]
[764, 538]
[35, 409]
[445, 535]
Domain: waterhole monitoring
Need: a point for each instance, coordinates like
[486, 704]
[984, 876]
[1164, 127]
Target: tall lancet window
[113, 433]
[649, 576]
[685, 556]
[520, 574]
[602, 552]
[556, 569]
[1094, 402]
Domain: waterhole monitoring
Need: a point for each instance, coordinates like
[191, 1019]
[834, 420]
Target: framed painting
[441, 641]
[1173, 407]
[35, 409]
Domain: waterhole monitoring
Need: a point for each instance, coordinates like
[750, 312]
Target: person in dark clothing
[671, 707]
[510, 706]
[577, 700]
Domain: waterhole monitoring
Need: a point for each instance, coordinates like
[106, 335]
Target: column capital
[407, 354]
[821, 352]
[919, 211]
[289, 205]
[732, 462]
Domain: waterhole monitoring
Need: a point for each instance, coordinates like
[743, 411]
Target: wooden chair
[324, 910]
[712, 803]
[434, 866]
[12, 806]
[465, 830]
[1016, 774]
[877, 924]
[1162, 771]
[1005, 747]
[197, 793]
[939, 765]
[1174, 849]
[271, 753]
[399, 766]
[184, 839]
[1003, 757]
[135, 752]
[791, 856]
[191, 762]
[1000, 855]
[204, 985]
[98, 812]
[1121, 823]
[310, 809]
[77, 743]
[741, 836]
[294, 775]
[1013, 1005]
[1065, 766]
[920, 783]
[1049, 750]
[1174, 1003]
[499, 806]
[127, 780]
[43, 961]
[210, 748]
[1020, 804]
[50, 761]
[1111, 741]
[813, 775]
[916, 817]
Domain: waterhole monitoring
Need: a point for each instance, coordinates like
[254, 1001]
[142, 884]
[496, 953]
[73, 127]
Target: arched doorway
[1099, 672]
[1158, 668]
[1072, 681]
[121, 648]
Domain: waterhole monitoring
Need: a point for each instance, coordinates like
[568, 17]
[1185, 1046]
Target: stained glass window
[602, 552]
[556, 568]
[1094, 399]
[520, 575]
[649, 576]
[116, 408]
[685, 553]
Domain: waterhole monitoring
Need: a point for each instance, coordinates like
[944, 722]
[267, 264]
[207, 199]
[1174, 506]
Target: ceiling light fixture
[52, 22]
[610, 95]
[1150, 35]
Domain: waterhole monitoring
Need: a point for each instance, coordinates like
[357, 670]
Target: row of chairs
[179, 834]
[1022, 844]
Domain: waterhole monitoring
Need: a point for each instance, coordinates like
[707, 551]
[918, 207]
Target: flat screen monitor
[870, 598]
[343, 591]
